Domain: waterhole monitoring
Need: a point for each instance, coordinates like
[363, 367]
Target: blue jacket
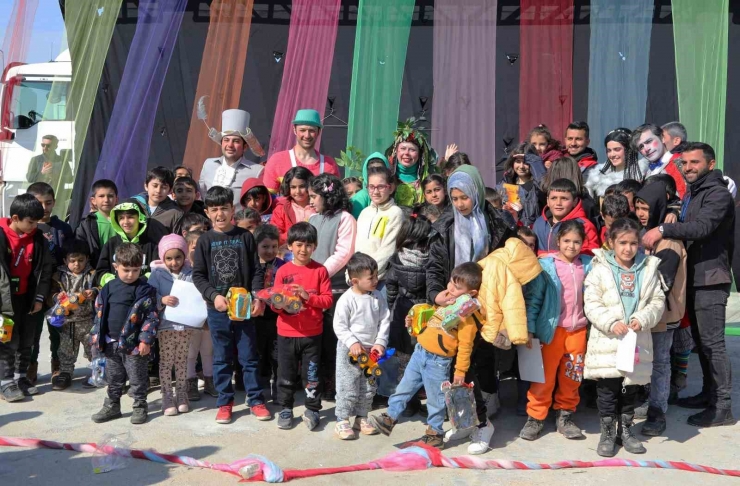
[542, 296]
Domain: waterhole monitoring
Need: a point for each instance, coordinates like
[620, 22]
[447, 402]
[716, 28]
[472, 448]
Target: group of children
[356, 278]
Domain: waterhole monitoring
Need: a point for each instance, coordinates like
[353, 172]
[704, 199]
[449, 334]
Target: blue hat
[308, 117]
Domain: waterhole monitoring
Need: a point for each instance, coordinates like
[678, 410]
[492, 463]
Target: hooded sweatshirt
[361, 198]
[20, 248]
[250, 184]
[547, 232]
[147, 238]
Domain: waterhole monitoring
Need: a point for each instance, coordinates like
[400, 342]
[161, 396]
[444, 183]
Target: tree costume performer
[411, 159]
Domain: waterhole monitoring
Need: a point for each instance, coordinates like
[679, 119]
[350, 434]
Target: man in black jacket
[707, 227]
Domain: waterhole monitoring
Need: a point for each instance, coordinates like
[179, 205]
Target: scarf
[413, 258]
[225, 175]
[471, 233]
[407, 174]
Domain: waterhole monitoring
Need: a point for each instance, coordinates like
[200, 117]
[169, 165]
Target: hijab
[471, 232]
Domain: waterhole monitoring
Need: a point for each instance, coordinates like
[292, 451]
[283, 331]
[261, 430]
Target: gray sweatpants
[354, 392]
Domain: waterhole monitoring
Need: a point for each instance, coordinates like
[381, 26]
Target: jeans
[707, 307]
[306, 353]
[660, 382]
[226, 333]
[429, 370]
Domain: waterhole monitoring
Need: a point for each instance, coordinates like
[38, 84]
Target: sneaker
[311, 419]
[566, 426]
[480, 440]
[27, 387]
[170, 411]
[32, 373]
[209, 388]
[532, 429]
[433, 439]
[224, 413]
[61, 382]
[698, 401]
[383, 423]
[712, 417]
[363, 425]
[260, 412]
[285, 419]
[110, 411]
[193, 393]
[11, 392]
[458, 434]
[139, 415]
[344, 431]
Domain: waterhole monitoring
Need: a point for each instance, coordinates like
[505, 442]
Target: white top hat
[236, 122]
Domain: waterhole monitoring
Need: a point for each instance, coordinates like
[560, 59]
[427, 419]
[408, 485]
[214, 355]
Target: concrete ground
[65, 417]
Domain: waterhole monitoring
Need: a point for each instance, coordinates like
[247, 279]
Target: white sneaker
[480, 440]
[457, 434]
[492, 404]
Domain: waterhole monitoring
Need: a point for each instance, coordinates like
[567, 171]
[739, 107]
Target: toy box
[240, 304]
[283, 298]
[449, 317]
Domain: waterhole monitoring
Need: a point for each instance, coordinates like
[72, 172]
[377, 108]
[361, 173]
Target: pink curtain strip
[18, 32]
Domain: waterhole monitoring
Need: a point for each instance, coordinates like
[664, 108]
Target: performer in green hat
[411, 159]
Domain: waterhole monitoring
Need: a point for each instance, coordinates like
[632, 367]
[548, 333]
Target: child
[361, 199]
[299, 335]
[337, 230]
[266, 237]
[23, 287]
[95, 229]
[434, 189]
[75, 277]
[651, 207]
[200, 343]
[563, 204]
[126, 322]
[613, 207]
[186, 193]
[194, 222]
[294, 207]
[174, 338]
[564, 339]
[248, 219]
[131, 225]
[56, 232]
[155, 199]
[622, 292]
[628, 188]
[352, 185]
[182, 171]
[528, 237]
[431, 362]
[522, 172]
[547, 147]
[576, 143]
[256, 196]
[379, 223]
[226, 257]
[496, 199]
[361, 323]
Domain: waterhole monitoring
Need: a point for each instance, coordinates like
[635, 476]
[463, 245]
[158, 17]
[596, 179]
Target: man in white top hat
[232, 168]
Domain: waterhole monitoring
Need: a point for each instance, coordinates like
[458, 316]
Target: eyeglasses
[378, 188]
[45, 145]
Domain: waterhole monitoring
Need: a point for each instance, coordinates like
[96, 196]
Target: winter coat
[543, 297]
[598, 181]
[141, 326]
[546, 232]
[528, 199]
[162, 280]
[361, 199]
[442, 246]
[505, 272]
[708, 231]
[603, 307]
[87, 231]
[168, 213]
[39, 282]
[405, 281]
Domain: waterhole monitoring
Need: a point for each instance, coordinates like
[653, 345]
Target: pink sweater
[571, 277]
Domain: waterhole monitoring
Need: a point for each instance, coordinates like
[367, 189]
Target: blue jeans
[660, 382]
[431, 371]
[224, 334]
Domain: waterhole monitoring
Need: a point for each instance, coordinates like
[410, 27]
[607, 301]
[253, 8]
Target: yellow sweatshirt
[458, 342]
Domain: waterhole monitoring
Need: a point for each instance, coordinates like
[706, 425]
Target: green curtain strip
[377, 72]
[700, 30]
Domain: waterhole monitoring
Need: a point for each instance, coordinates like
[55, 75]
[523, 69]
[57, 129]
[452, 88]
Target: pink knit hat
[172, 242]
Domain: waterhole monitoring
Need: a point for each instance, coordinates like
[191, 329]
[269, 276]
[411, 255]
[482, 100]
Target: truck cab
[36, 130]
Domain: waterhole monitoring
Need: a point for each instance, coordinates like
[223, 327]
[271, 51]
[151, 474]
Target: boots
[608, 441]
[532, 429]
[564, 421]
[111, 410]
[55, 364]
[630, 443]
[655, 423]
[193, 393]
[33, 372]
[209, 388]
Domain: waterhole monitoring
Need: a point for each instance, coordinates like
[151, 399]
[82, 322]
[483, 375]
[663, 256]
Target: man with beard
[576, 142]
[707, 227]
[232, 168]
[307, 128]
[648, 140]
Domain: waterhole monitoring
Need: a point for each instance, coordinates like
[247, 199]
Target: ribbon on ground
[415, 457]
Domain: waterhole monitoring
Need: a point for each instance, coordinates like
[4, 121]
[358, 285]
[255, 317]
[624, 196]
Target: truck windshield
[35, 101]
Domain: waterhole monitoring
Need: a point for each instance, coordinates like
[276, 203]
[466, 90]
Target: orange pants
[563, 361]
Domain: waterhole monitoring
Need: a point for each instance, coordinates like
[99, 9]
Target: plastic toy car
[420, 315]
[449, 317]
[65, 305]
[369, 363]
[283, 298]
[240, 304]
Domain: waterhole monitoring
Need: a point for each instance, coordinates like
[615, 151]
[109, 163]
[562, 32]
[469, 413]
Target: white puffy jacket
[603, 308]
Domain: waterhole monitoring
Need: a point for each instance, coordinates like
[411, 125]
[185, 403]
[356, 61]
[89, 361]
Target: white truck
[33, 104]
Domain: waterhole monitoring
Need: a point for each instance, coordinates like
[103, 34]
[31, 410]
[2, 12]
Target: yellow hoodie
[505, 272]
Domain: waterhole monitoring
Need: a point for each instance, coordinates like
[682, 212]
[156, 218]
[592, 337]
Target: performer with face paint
[648, 141]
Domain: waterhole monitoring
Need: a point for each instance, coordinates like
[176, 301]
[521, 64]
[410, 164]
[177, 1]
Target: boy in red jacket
[299, 335]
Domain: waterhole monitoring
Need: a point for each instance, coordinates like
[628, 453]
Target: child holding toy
[361, 323]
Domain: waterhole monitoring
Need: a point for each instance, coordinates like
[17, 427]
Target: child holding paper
[622, 294]
[174, 338]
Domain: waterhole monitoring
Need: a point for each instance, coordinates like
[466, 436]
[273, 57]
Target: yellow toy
[240, 304]
[6, 329]
[420, 315]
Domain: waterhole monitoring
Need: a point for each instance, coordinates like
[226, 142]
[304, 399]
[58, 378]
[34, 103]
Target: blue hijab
[471, 233]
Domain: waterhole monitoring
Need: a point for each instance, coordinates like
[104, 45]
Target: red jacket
[547, 232]
[21, 255]
[672, 170]
[315, 280]
[586, 159]
[251, 183]
[283, 217]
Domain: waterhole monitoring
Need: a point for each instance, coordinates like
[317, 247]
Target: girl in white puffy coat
[622, 293]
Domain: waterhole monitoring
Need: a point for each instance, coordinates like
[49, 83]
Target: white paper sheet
[626, 352]
[531, 367]
[191, 310]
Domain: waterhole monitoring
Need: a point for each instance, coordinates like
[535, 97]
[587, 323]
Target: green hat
[308, 117]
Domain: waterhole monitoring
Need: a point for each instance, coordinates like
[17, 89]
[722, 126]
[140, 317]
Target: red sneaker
[224, 413]
[260, 412]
